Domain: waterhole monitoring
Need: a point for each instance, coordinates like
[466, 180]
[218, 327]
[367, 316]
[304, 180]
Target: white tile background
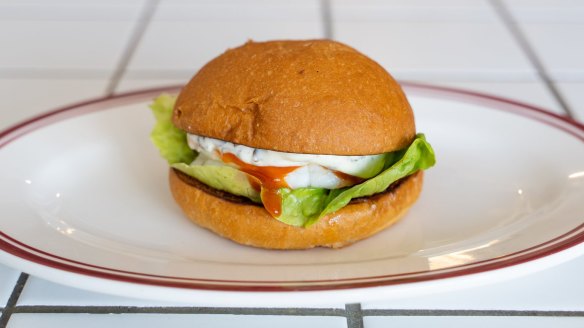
[57, 52]
[474, 321]
[8, 278]
[436, 40]
[171, 320]
[195, 32]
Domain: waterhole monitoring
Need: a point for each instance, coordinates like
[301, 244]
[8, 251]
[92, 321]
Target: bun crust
[312, 97]
[252, 225]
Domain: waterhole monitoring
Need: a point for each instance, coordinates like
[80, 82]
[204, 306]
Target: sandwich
[292, 145]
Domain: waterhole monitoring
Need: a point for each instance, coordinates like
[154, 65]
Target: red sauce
[348, 180]
[271, 178]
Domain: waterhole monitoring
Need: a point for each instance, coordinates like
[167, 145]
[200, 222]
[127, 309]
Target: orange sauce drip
[349, 180]
[271, 178]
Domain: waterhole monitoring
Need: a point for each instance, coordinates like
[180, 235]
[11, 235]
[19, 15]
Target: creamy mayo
[314, 170]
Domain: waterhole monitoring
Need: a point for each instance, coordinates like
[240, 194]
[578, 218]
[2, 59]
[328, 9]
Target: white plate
[84, 202]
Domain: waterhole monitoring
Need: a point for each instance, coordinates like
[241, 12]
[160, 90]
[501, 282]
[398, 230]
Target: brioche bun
[250, 224]
[310, 97]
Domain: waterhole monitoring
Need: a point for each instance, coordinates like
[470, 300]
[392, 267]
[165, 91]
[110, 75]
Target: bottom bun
[250, 224]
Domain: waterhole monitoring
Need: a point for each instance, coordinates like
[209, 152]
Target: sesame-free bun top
[310, 96]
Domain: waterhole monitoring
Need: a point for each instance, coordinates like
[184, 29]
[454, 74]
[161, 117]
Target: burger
[292, 145]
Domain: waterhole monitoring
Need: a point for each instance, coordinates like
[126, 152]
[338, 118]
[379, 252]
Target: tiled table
[61, 51]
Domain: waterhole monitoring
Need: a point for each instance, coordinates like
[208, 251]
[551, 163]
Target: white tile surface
[175, 44]
[170, 320]
[24, 98]
[41, 292]
[418, 10]
[416, 50]
[239, 11]
[555, 30]
[560, 47]
[531, 93]
[62, 45]
[8, 278]
[69, 10]
[64, 34]
[574, 95]
[163, 47]
[547, 11]
[475, 322]
[558, 288]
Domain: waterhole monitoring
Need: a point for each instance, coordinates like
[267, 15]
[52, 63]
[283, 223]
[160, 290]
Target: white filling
[314, 171]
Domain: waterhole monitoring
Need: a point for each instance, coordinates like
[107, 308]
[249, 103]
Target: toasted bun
[252, 225]
[312, 97]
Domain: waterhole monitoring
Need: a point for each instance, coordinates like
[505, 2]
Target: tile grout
[328, 312]
[354, 315]
[326, 17]
[13, 299]
[353, 312]
[473, 313]
[524, 44]
[139, 30]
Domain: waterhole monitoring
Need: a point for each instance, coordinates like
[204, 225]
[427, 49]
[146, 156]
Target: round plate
[85, 202]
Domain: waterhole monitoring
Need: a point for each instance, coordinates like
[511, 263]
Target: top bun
[312, 97]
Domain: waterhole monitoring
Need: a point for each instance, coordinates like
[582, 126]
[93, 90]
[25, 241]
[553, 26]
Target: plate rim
[28, 253]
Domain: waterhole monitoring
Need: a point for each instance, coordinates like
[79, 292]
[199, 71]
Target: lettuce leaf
[173, 146]
[305, 206]
[224, 178]
[170, 140]
[418, 156]
[302, 205]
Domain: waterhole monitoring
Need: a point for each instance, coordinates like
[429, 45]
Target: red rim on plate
[29, 253]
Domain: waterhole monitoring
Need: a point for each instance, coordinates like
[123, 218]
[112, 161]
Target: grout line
[354, 315]
[327, 20]
[11, 304]
[352, 312]
[520, 38]
[132, 45]
[179, 310]
[464, 313]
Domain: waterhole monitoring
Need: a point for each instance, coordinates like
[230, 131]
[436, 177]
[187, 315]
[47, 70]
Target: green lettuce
[170, 140]
[300, 207]
[305, 206]
[418, 156]
[173, 146]
[224, 178]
